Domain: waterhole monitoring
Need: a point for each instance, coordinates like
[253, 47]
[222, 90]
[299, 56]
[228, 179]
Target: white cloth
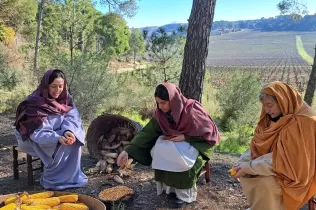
[173, 156]
[187, 195]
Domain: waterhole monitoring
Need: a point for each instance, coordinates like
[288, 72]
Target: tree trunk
[196, 48]
[38, 36]
[311, 85]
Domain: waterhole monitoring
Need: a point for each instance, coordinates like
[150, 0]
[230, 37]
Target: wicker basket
[103, 125]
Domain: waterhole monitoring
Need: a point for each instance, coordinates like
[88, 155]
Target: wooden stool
[29, 161]
[311, 204]
[207, 172]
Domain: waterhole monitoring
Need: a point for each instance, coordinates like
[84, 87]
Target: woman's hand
[62, 140]
[122, 159]
[240, 173]
[178, 138]
[70, 137]
[168, 137]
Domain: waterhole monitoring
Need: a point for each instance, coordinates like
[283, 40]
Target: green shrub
[238, 100]
[236, 141]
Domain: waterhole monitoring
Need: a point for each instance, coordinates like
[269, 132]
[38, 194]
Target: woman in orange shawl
[279, 170]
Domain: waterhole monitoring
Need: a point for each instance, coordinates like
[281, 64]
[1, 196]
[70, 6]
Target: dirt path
[221, 193]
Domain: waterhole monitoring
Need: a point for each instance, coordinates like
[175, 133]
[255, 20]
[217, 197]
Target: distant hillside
[278, 23]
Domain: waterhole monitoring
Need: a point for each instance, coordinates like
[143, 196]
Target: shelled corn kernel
[115, 193]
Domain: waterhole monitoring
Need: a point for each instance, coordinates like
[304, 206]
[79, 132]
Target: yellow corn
[53, 201]
[80, 203]
[24, 197]
[26, 207]
[10, 200]
[56, 207]
[232, 172]
[73, 206]
[47, 194]
[10, 206]
[72, 198]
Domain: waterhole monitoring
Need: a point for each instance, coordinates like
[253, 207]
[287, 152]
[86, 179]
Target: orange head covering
[292, 141]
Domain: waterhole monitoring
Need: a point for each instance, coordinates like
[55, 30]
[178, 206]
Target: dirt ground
[221, 193]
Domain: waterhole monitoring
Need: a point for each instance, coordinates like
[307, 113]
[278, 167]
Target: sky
[161, 12]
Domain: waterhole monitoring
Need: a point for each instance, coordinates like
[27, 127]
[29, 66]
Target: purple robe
[61, 163]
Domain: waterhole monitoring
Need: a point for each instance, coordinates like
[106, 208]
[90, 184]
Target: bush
[8, 75]
[236, 141]
[238, 100]
[89, 81]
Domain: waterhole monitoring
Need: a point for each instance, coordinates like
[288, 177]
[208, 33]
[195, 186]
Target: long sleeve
[259, 166]
[142, 143]
[72, 122]
[45, 134]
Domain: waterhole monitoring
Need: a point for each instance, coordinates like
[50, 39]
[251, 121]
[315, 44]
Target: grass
[301, 51]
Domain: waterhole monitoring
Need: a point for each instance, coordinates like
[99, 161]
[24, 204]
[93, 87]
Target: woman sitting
[279, 170]
[48, 126]
[176, 142]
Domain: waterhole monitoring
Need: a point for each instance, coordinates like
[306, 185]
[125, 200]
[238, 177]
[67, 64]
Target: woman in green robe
[176, 142]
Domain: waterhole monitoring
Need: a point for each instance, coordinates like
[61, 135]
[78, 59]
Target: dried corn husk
[109, 168]
[120, 149]
[112, 138]
[101, 139]
[110, 160]
[112, 147]
[103, 165]
[118, 179]
[94, 170]
[125, 142]
[129, 136]
[121, 131]
[109, 154]
[125, 172]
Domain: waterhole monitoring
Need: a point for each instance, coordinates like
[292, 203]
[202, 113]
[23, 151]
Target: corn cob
[80, 203]
[53, 201]
[72, 198]
[56, 207]
[47, 194]
[10, 206]
[36, 207]
[73, 206]
[24, 197]
[10, 199]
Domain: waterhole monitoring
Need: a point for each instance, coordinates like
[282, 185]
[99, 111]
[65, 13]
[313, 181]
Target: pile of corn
[111, 145]
[115, 193]
[43, 201]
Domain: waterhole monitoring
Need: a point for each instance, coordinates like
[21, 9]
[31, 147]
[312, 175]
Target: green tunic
[141, 145]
